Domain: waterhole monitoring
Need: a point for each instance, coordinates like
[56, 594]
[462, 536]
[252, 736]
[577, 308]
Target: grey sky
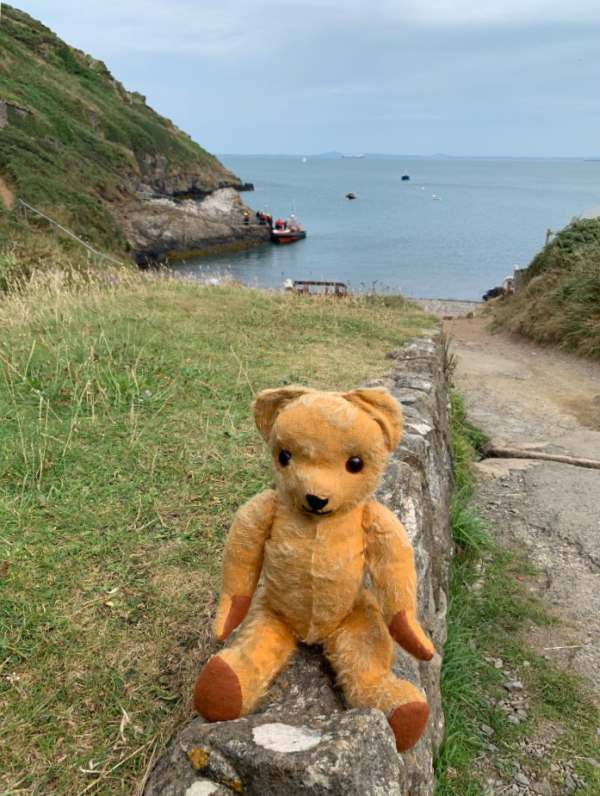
[478, 77]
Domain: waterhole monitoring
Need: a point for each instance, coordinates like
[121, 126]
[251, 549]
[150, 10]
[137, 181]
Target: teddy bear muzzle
[316, 505]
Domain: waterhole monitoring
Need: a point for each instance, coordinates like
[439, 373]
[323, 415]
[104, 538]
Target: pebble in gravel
[514, 685]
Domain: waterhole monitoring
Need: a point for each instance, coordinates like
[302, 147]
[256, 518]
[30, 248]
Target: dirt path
[523, 395]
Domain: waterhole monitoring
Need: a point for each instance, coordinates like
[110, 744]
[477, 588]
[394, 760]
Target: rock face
[156, 227]
[304, 740]
[19, 111]
[157, 175]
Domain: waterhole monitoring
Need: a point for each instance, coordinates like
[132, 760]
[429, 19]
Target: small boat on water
[405, 177]
[287, 231]
[351, 195]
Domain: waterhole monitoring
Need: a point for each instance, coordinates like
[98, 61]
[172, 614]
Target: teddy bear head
[329, 449]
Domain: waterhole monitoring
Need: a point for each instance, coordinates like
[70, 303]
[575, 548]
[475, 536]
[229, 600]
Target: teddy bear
[313, 537]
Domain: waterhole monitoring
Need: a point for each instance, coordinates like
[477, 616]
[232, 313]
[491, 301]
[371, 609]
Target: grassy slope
[83, 137]
[561, 301]
[126, 444]
[489, 608]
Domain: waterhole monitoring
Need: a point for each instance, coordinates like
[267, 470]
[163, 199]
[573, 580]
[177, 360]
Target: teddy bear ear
[269, 403]
[383, 408]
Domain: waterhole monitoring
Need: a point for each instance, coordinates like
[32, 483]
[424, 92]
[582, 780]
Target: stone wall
[304, 740]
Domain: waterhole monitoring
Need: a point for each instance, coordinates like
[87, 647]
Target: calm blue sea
[489, 216]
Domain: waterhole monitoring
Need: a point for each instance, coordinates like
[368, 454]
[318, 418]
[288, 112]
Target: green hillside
[76, 144]
[560, 301]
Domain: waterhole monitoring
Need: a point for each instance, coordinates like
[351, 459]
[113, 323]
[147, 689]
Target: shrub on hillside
[560, 300]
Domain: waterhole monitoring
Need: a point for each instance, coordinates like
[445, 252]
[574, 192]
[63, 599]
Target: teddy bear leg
[362, 652]
[233, 681]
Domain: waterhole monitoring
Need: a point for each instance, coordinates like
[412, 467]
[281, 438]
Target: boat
[405, 177]
[287, 231]
[351, 195]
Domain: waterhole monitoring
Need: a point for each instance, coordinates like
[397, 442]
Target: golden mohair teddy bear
[313, 538]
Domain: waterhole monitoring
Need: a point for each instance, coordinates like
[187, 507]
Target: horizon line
[334, 155]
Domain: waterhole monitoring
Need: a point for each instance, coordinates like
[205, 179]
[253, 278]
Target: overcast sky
[464, 77]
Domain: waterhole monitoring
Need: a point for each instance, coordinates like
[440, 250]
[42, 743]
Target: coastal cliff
[77, 145]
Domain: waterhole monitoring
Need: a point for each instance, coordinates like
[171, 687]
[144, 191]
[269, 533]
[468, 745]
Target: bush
[560, 300]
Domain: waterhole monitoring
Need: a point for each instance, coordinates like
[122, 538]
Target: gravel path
[448, 308]
[523, 395]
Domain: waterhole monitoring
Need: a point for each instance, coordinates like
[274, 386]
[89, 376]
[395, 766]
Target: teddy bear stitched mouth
[316, 512]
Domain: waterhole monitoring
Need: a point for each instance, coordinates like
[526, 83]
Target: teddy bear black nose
[316, 503]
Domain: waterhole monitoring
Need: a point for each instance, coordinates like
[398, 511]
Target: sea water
[455, 229]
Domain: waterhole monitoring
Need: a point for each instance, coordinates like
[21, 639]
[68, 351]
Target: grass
[489, 610]
[77, 142]
[126, 445]
[560, 302]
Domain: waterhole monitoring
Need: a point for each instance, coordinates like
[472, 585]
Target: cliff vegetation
[79, 146]
[560, 300]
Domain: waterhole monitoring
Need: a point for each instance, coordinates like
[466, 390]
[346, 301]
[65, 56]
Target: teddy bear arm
[390, 561]
[243, 561]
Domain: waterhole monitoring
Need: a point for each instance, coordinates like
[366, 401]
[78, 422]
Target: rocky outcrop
[156, 228]
[189, 209]
[304, 740]
[158, 176]
[18, 110]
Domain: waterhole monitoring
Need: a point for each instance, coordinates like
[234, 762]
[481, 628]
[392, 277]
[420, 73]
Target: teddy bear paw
[238, 608]
[408, 722]
[218, 693]
[410, 636]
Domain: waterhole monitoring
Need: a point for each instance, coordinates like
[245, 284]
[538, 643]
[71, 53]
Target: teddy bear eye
[354, 464]
[284, 458]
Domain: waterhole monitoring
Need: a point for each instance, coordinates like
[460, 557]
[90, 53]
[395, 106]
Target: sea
[455, 229]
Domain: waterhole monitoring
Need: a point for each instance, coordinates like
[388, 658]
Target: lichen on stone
[198, 758]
